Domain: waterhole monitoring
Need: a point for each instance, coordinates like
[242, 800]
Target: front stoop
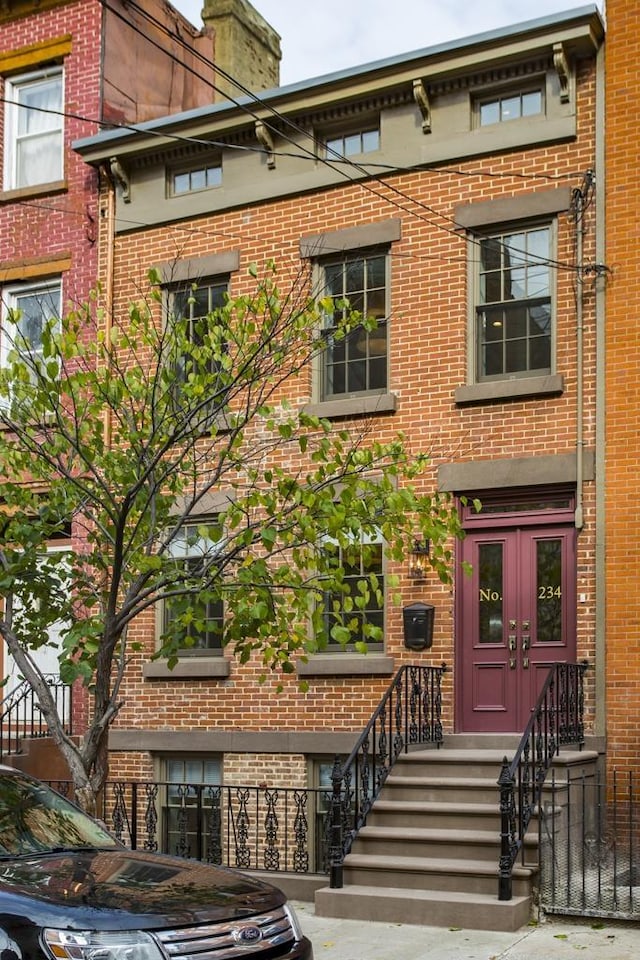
[429, 851]
[424, 907]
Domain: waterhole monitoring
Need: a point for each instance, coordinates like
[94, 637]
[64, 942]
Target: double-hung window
[194, 551]
[360, 563]
[514, 310]
[26, 310]
[33, 129]
[194, 303]
[191, 807]
[356, 363]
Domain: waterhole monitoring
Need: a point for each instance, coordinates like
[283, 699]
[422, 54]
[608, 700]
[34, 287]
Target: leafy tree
[118, 435]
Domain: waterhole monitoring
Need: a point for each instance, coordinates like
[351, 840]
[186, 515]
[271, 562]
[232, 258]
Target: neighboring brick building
[621, 450]
[471, 176]
[63, 76]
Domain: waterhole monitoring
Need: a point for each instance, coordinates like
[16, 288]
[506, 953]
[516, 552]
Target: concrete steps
[429, 842]
[429, 851]
[473, 911]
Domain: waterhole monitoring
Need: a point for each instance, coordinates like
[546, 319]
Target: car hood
[120, 889]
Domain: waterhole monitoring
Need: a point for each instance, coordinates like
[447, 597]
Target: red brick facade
[429, 361]
[49, 232]
[622, 357]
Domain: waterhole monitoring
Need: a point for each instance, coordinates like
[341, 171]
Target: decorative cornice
[335, 113]
[174, 156]
[502, 74]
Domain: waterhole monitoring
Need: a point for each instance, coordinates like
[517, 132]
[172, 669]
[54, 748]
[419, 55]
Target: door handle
[512, 663]
[525, 663]
[526, 642]
[512, 641]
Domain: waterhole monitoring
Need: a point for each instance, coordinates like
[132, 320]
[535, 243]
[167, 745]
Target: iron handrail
[21, 716]
[409, 714]
[556, 719]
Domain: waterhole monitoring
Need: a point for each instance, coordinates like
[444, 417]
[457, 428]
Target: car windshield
[35, 819]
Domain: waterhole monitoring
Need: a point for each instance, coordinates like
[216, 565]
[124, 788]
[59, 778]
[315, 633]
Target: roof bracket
[421, 97]
[121, 177]
[266, 142]
[562, 69]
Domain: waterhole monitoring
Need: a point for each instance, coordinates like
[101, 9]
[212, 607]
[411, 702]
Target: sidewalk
[553, 939]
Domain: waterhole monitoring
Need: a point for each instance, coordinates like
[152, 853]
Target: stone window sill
[363, 406]
[345, 664]
[37, 190]
[552, 384]
[188, 668]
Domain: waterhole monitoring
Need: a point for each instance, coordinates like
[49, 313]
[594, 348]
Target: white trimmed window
[33, 129]
[26, 310]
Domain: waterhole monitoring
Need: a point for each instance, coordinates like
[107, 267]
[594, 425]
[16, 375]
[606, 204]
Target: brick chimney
[245, 46]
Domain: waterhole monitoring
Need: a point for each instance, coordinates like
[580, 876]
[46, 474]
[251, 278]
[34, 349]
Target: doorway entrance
[517, 611]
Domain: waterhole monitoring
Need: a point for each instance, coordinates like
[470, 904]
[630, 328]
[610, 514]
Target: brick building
[63, 76]
[468, 194]
[620, 449]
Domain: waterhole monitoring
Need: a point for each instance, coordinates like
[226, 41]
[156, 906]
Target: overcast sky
[322, 36]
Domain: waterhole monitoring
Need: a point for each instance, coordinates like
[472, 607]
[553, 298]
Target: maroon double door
[517, 616]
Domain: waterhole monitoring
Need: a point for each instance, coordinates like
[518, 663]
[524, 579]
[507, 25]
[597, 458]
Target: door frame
[543, 508]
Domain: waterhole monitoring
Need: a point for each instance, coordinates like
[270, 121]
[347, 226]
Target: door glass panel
[490, 567]
[549, 591]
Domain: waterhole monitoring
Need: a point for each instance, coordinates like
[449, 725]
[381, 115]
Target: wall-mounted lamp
[418, 559]
[417, 622]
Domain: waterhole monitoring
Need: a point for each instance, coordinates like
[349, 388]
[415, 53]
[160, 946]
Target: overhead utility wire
[140, 223]
[311, 155]
[305, 133]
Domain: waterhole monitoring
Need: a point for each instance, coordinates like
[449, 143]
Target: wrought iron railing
[277, 829]
[556, 719]
[21, 716]
[590, 845]
[409, 714]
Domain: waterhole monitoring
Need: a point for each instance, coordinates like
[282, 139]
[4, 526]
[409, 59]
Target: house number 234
[548, 593]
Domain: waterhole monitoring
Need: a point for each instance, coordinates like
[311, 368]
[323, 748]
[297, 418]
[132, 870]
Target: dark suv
[70, 891]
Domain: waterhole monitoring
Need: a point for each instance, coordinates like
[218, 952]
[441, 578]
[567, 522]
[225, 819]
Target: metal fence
[276, 829]
[590, 846]
[21, 716]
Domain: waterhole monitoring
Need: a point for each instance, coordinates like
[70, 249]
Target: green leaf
[127, 436]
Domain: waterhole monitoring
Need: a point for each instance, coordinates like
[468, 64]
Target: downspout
[109, 215]
[579, 212]
[601, 394]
